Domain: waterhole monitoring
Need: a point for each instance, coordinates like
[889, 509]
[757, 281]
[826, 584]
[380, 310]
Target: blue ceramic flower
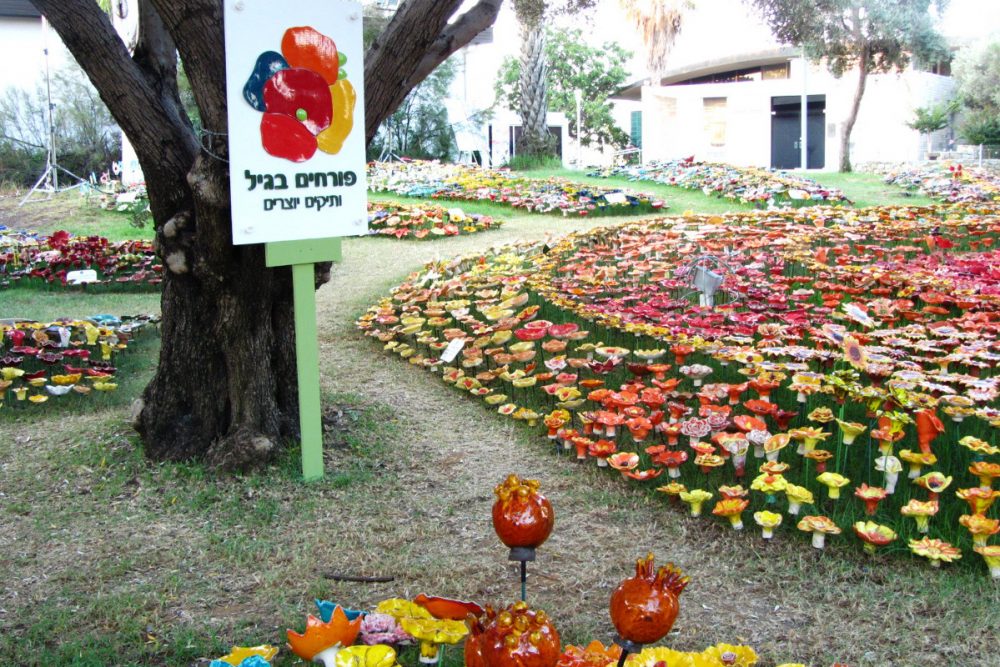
[326, 611]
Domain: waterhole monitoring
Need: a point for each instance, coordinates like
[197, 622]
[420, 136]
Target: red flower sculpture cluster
[307, 102]
[763, 187]
[791, 364]
[40, 361]
[26, 258]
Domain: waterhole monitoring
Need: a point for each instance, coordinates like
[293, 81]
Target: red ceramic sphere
[644, 607]
[522, 517]
[516, 637]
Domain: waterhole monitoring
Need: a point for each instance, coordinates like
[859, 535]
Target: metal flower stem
[627, 647]
[524, 580]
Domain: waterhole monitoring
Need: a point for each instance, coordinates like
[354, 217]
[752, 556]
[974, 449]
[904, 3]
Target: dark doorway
[786, 115]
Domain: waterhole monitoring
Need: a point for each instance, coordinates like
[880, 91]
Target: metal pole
[524, 580]
[804, 120]
[579, 133]
[52, 157]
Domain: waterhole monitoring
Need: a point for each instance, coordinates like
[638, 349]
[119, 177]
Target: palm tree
[535, 138]
[659, 23]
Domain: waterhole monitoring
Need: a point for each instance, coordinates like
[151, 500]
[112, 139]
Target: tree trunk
[852, 116]
[225, 387]
[535, 139]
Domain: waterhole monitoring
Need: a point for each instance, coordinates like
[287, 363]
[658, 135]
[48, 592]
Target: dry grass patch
[113, 560]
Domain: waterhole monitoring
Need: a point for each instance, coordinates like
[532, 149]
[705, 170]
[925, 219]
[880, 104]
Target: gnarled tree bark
[225, 385]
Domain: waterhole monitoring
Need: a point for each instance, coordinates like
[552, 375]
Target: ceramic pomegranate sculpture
[522, 517]
[515, 637]
[644, 607]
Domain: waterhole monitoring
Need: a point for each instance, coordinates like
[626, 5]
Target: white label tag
[615, 198]
[454, 347]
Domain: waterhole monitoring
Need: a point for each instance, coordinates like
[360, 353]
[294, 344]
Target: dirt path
[785, 599]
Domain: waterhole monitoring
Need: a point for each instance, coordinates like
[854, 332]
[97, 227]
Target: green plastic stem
[307, 362]
[301, 255]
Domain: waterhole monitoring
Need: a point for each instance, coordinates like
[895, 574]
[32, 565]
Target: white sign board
[296, 119]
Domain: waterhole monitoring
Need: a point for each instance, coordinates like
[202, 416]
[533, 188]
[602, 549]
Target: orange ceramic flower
[644, 607]
[986, 472]
[874, 535]
[871, 495]
[446, 608]
[979, 499]
[732, 509]
[981, 527]
[935, 550]
[522, 517]
[595, 654]
[929, 426]
[320, 636]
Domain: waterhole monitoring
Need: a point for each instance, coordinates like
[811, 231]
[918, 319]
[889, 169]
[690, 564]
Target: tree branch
[455, 36]
[204, 58]
[156, 55]
[395, 62]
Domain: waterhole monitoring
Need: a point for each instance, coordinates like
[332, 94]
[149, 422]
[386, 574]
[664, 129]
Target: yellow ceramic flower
[695, 498]
[768, 521]
[833, 482]
[240, 653]
[728, 654]
[378, 655]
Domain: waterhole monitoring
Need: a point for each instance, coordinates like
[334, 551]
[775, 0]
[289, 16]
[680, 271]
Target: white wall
[880, 133]
[22, 43]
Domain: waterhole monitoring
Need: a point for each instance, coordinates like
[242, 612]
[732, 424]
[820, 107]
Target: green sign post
[301, 256]
[297, 179]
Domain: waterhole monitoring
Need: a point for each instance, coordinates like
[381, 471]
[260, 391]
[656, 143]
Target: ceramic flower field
[841, 381]
[424, 221]
[752, 185]
[341, 637]
[950, 182]
[31, 260]
[63, 361]
[463, 183]
[643, 609]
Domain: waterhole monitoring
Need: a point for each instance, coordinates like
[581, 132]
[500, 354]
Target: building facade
[734, 94]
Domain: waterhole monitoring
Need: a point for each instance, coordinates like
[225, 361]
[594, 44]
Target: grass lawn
[678, 199]
[869, 189]
[110, 559]
[73, 211]
[46, 304]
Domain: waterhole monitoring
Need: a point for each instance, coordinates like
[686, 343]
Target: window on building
[747, 74]
[779, 71]
[715, 120]
[635, 136]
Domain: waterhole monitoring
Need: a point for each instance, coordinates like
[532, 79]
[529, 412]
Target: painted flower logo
[303, 92]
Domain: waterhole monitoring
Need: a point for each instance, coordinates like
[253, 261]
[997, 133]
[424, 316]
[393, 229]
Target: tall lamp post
[804, 119]
[578, 94]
